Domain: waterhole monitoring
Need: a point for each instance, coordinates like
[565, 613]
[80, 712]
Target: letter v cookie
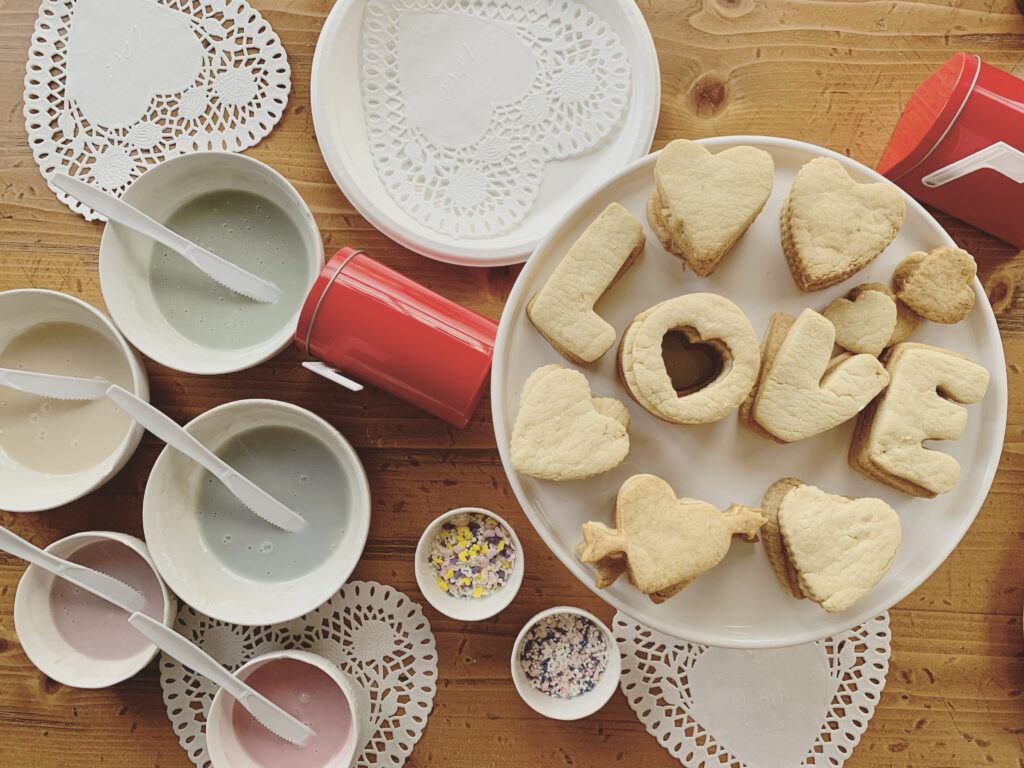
[887, 442]
[801, 390]
[563, 309]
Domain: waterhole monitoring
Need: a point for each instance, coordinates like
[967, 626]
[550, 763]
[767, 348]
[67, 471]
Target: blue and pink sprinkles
[472, 556]
[564, 655]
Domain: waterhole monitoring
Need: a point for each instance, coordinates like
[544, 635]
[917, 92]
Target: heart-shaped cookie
[907, 319]
[667, 541]
[833, 226]
[562, 432]
[938, 285]
[703, 202]
[840, 547]
[865, 324]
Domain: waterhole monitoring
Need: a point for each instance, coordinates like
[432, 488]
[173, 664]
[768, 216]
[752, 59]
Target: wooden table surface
[832, 73]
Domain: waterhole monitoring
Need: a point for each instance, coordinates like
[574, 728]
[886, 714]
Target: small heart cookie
[833, 226]
[702, 202]
[865, 324]
[938, 285]
[667, 541]
[562, 432]
[840, 547]
[907, 319]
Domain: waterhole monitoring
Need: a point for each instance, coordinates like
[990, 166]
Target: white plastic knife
[269, 714]
[95, 582]
[74, 388]
[229, 275]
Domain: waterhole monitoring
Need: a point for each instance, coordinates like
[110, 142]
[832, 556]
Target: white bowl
[468, 609]
[125, 257]
[227, 751]
[23, 489]
[44, 645]
[194, 572]
[579, 706]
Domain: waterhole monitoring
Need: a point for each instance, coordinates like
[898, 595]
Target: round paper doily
[113, 87]
[377, 635]
[805, 705]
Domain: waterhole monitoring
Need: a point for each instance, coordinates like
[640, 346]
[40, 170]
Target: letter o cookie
[715, 321]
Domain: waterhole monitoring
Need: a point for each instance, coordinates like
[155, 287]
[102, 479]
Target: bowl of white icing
[54, 451]
[224, 560]
[243, 211]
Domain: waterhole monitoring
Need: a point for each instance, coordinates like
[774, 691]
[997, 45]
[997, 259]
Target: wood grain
[828, 72]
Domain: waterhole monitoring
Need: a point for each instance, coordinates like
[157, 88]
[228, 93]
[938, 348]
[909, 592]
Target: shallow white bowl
[226, 751]
[23, 489]
[468, 609]
[171, 522]
[125, 257]
[579, 706]
[43, 644]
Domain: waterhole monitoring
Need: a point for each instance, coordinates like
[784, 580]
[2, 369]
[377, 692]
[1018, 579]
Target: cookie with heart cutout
[562, 432]
[705, 319]
[938, 285]
[832, 226]
[667, 541]
[563, 309]
[888, 439]
[907, 320]
[831, 549]
[865, 323]
[703, 202]
[801, 390]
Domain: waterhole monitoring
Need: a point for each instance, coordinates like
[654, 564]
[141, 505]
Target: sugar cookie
[887, 442]
[802, 390]
[832, 226]
[702, 203]
[938, 285]
[563, 309]
[865, 323]
[907, 319]
[562, 432]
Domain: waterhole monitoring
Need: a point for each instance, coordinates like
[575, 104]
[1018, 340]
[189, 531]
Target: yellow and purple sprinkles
[472, 556]
[564, 655]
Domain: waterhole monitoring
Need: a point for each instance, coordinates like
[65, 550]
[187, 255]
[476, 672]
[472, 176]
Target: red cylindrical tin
[377, 325]
[959, 146]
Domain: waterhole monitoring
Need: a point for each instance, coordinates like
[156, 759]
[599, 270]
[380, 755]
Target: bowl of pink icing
[79, 639]
[306, 686]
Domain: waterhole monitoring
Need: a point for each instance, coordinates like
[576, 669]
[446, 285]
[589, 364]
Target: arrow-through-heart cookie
[832, 549]
[938, 285]
[920, 404]
[563, 309]
[833, 226]
[802, 390]
[667, 541]
[702, 203]
[562, 432]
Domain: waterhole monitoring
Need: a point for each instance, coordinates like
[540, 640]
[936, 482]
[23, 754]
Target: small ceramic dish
[579, 706]
[306, 686]
[25, 488]
[469, 608]
[81, 640]
[126, 262]
[221, 580]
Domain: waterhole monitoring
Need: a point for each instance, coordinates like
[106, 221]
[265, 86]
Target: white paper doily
[806, 705]
[465, 102]
[113, 87]
[376, 634]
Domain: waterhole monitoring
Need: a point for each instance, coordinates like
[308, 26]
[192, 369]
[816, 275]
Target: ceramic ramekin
[170, 519]
[23, 489]
[579, 706]
[227, 750]
[125, 257]
[466, 609]
[53, 654]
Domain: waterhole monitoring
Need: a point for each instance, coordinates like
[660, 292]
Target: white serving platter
[739, 603]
